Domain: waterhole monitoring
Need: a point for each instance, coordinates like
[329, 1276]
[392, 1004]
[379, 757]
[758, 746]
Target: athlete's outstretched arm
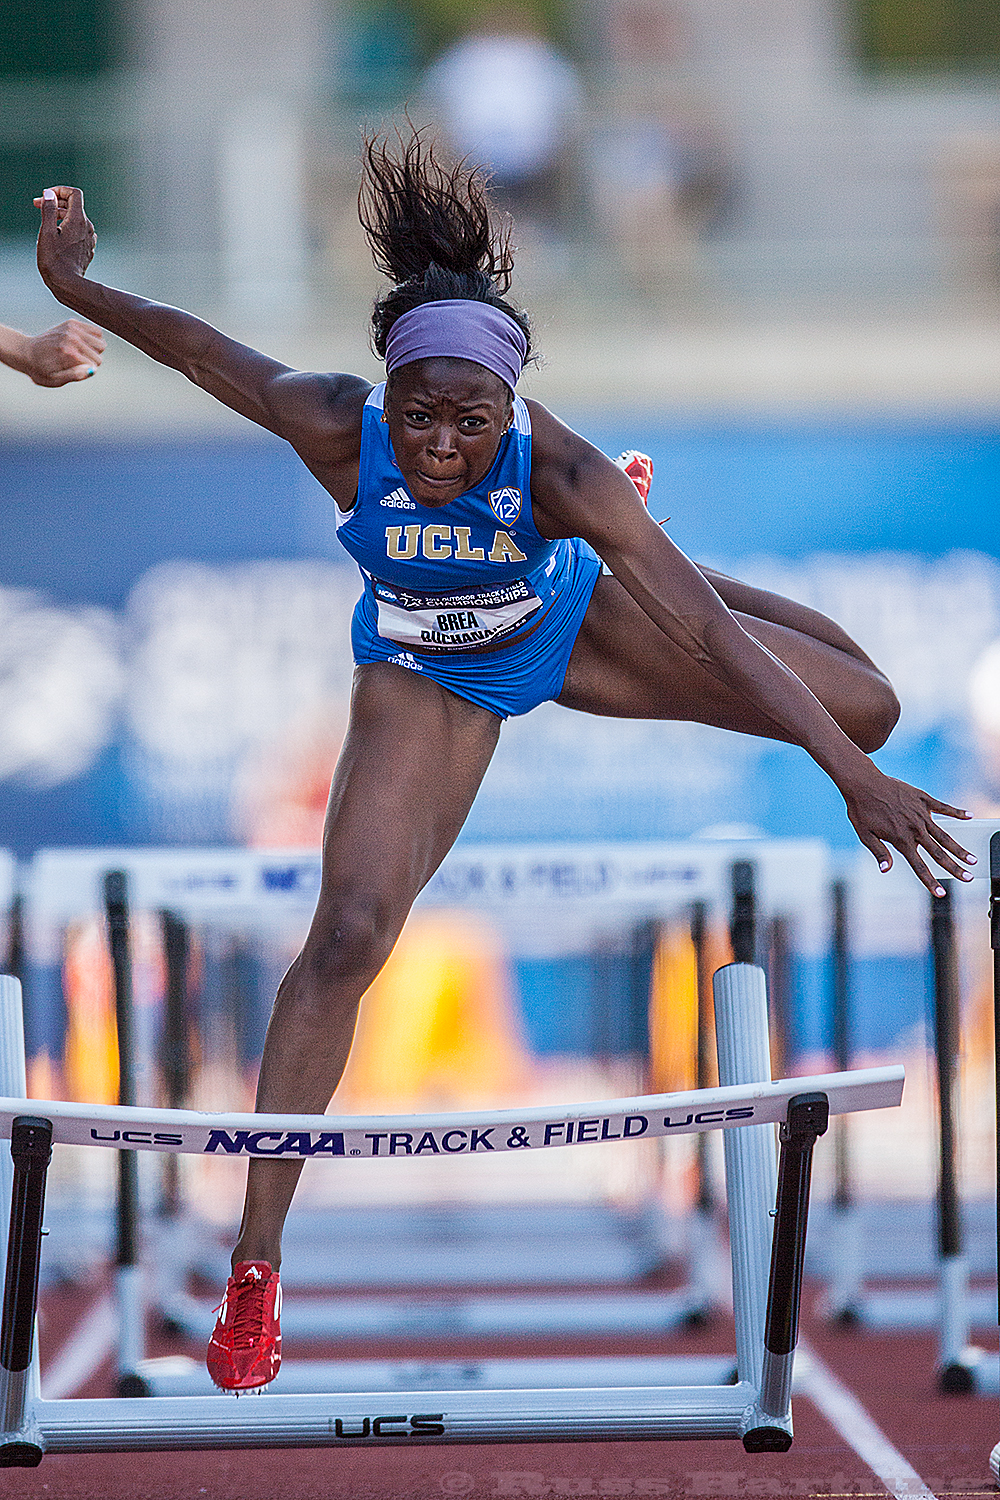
[577, 491]
[304, 408]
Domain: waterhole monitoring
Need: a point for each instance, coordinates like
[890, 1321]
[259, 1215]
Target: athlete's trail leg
[411, 765]
[623, 665]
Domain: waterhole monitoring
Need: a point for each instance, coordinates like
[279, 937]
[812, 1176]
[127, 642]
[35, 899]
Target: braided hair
[430, 233]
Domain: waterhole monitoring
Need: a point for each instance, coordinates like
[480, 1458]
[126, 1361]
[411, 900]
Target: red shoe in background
[244, 1351]
[639, 468]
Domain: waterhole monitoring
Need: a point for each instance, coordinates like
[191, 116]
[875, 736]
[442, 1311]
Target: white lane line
[87, 1347]
[844, 1412]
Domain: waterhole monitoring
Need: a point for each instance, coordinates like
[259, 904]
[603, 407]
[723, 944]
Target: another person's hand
[69, 351]
[66, 239]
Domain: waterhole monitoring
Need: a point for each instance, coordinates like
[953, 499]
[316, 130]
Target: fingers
[945, 808]
[78, 372]
[65, 377]
[91, 341]
[81, 340]
[941, 857]
[933, 843]
[881, 853]
[49, 206]
[64, 205]
[953, 846]
[905, 821]
[922, 873]
[70, 351]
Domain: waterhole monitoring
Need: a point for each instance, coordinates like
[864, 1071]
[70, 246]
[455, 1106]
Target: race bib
[466, 620]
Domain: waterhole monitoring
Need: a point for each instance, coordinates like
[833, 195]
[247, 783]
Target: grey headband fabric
[458, 329]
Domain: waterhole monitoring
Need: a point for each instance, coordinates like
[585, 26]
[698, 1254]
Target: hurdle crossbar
[541, 1128]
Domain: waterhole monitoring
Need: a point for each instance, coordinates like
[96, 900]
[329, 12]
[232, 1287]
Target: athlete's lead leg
[410, 768]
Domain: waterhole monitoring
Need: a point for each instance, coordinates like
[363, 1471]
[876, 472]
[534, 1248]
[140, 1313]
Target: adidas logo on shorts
[406, 659]
[398, 500]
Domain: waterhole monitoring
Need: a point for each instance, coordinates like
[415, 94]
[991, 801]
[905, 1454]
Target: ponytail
[430, 233]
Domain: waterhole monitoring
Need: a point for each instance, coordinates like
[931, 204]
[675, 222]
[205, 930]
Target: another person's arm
[69, 351]
[582, 493]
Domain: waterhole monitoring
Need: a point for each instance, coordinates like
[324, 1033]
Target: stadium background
[768, 252]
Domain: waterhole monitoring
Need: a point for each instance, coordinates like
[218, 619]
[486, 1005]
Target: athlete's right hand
[66, 239]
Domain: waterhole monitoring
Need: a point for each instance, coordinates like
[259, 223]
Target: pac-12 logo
[506, 505]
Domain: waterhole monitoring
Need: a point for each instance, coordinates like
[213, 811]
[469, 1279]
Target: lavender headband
[458, 329]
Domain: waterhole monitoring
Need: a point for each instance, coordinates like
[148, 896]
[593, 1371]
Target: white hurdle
[767, 1266]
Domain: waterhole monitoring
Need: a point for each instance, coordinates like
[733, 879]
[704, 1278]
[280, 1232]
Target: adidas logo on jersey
[398, 500]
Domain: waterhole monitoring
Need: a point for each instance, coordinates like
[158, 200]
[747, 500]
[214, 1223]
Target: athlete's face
[446, 418]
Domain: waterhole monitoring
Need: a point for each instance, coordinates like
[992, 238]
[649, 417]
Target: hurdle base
[767, 1439]
[131, 1385]
[976, 1372]
[21, 1443]
[20, 1455]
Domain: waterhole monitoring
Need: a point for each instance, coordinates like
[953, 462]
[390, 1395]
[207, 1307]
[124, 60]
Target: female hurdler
[480, 522]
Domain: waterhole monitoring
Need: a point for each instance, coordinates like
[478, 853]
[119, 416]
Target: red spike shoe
[244, 1352]
[639, 468]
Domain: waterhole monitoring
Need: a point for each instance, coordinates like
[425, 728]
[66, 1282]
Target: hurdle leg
[751, 1181]
[954, 1372]
[844, 1271]
[128, 1272]
[20, 1440]
[808, 1115]
[31, 1151]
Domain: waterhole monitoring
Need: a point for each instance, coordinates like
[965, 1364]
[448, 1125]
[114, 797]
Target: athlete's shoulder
[571, 480]
[555, 447]
[320, 414]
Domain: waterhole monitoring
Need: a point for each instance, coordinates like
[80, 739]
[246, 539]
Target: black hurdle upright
[843, 1191]
[127, 1272]
[807, 1119]
[743, 921]
[995, 945]
[744, 938]
[706, 1269]
[175, 1060]
[844, 1273]
[31, 1150]
[779, 991]
[15, 963]
[705, 1197]
[955, 1375]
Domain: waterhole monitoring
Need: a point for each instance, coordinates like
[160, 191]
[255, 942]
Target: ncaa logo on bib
[506, 505]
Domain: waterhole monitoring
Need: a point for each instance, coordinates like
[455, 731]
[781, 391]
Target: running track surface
[925, 1444]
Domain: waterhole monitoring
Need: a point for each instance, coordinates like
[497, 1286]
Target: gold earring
[384, 417]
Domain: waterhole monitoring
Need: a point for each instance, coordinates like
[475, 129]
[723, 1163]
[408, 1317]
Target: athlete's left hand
[886, 812]
[66, 237]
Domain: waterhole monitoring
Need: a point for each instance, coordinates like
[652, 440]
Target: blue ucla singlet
[469, 592]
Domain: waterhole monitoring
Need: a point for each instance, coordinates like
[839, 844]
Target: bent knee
[878, 716]
[349, 943]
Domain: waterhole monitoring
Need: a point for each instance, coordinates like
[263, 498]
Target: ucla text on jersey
[452, 579]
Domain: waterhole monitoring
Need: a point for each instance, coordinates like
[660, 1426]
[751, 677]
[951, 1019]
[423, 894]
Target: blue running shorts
[511, 680]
